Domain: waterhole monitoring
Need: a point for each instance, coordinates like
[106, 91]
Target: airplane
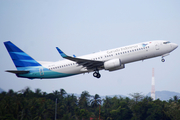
[111, 60]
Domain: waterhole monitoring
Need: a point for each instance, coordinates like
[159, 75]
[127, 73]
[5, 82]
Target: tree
[38, 92]
[84, 101]
[96, 101]
[62, 93]
[95, 104]
[174, 108]
[107, 104]
[156, 110]
[84, 114]
[26, 104]
[137, 97]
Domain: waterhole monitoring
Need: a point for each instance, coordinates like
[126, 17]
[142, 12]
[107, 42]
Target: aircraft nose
[174, 46]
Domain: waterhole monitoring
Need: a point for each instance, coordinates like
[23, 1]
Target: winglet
[74, 56]
[61, 53]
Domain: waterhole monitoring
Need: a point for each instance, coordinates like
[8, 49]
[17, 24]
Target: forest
[58, 105]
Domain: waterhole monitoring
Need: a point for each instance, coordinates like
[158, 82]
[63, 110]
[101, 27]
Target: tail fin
[20, 58]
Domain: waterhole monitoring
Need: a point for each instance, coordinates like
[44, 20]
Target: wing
[89, 64]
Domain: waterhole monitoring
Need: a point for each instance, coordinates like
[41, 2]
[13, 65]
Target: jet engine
[114, 64]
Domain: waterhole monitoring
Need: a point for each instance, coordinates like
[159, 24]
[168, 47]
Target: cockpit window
[166, 42]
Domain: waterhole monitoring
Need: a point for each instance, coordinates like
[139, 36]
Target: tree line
[37, 105]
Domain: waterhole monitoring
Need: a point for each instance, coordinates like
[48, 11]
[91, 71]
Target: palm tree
[71, 103]
[107, 102]
[28, 93]
[11, 93]
[62, 93]
[95, 101]
[25, 112]
[84, 100]
[175, 98]
[107, 105]
[38, 92]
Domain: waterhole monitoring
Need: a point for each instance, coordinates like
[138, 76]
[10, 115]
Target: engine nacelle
[114, 64]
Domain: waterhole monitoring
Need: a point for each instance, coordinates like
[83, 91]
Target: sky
[83, 27]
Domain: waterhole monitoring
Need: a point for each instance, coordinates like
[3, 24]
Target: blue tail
[20, 58]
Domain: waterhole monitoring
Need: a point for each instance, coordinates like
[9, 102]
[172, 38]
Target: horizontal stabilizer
[17, 71]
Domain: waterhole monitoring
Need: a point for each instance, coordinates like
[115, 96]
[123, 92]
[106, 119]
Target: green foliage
[38, 105]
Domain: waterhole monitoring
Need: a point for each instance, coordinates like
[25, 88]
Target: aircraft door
[41, 71]
[157, 46]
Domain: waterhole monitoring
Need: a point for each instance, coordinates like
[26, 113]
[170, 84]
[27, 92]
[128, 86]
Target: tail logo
[20, 58]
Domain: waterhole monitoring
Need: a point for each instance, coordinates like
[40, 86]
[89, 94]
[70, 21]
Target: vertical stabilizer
[20, 58]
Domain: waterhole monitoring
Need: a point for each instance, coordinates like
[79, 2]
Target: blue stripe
[34, 73]
[22, 56]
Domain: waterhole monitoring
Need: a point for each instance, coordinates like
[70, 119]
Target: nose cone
[174, 46]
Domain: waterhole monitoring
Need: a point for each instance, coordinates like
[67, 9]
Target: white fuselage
[126, 55]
